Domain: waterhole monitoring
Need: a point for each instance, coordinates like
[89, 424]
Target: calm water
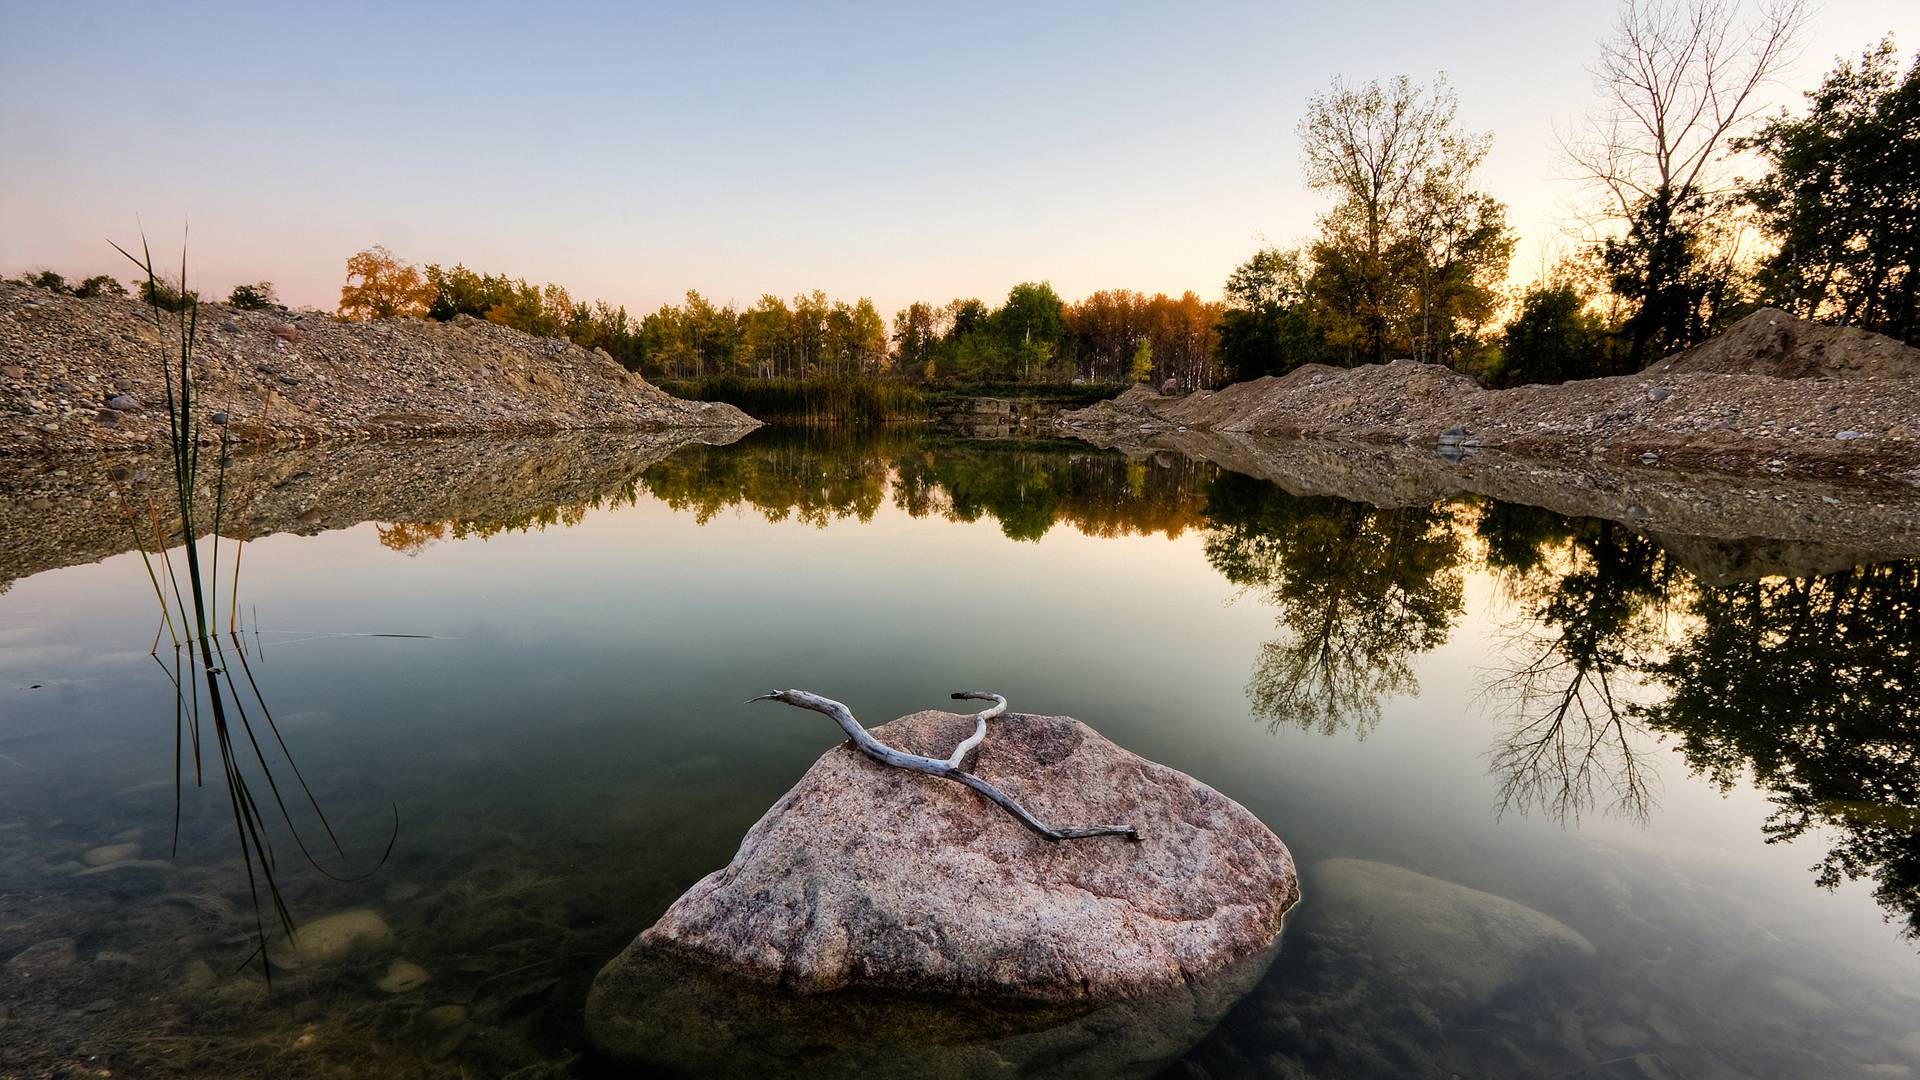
[1552, 712]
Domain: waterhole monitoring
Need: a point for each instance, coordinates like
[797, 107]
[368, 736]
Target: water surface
[1704, 767]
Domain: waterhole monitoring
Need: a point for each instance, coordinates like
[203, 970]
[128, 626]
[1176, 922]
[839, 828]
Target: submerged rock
[867, 878]
[402, 976]
[333, 938]
[110, 853]
[1444, 941]
[43, 959]
[691, 1019]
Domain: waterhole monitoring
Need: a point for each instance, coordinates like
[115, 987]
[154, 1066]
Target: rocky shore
[83, 375]
[1773, 397]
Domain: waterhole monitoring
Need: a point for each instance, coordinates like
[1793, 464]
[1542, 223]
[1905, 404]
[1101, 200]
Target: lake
[1694, 760]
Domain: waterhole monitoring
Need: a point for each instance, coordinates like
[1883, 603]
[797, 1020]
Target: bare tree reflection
[1592, 601]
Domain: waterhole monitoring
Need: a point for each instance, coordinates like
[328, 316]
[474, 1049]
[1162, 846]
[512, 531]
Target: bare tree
[1679, 80]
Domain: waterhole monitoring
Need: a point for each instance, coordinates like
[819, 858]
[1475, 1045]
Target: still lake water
[1553, 711]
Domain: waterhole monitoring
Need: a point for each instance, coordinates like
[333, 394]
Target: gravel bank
[1775, 396]
[83, 376]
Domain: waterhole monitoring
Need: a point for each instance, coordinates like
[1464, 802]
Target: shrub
[100, 285]
[255, 297]
[166, 297]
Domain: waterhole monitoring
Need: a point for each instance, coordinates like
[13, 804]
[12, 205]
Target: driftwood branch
[948, 768]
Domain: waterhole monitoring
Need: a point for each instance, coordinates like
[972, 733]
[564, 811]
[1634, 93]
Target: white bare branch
[948, 768]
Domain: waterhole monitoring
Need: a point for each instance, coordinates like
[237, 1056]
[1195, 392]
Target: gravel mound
[84, 375]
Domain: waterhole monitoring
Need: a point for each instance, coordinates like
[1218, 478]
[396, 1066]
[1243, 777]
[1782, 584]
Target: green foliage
[1140, 368]
[1843, 199]
[1553, 338]
[258, 296]
[1410, 258]
[544, 311]
[1268, 327]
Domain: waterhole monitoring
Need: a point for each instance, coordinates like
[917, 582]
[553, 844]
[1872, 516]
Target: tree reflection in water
[1590, 600]
[1361, 591]
[1803, 681]
[1809, 686]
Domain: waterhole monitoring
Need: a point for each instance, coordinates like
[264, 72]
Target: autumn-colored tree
[380, 286]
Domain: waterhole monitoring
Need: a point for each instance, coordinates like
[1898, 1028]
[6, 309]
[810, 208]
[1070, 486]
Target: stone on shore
[868, 878]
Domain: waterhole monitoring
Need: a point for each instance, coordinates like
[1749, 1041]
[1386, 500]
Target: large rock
[1449, 943]
[867, 878]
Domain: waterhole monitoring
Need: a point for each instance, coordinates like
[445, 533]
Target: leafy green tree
[916, 336]
[1266, 327]
[1031, 325]
[1409, 250]
[1140, 368]
[1553, 338]
[1842, 198]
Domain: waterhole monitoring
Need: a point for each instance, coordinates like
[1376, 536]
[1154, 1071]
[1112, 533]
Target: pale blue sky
[894, 151]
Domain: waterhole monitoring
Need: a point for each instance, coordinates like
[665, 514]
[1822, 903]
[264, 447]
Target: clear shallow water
[566, 753]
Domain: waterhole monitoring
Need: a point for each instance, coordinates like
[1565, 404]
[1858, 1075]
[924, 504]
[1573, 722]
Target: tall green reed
[203, 668]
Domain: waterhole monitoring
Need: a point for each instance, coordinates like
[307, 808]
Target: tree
[255, 297]
[1407, 242]
[1032, 325]
[1266, 327]
[1679, 79]
[1553, 338]
[1842, 199]
[1140, 368]
[380, 286]
[916, 334]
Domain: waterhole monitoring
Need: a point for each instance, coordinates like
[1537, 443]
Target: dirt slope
[83, 375]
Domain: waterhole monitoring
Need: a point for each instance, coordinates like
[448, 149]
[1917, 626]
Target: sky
[631, 152]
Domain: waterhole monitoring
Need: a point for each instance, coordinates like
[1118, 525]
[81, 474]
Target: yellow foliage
[380, 286]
